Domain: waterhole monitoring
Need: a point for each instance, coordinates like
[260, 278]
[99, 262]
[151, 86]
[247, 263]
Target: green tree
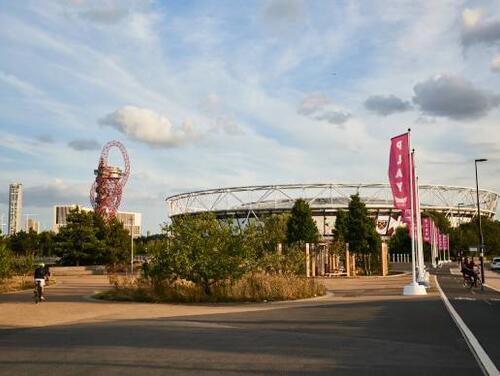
[117, 243]
[46, 243]
[77, 242]
[400, 242]
[205, 251]
[23, 243]
[360, 232]
[301, 227]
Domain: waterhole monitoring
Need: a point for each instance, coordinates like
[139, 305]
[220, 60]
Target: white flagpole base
[424, 279]
[414, 289]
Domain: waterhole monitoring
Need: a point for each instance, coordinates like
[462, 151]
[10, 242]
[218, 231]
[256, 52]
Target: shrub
[5, 262]
[252, 287]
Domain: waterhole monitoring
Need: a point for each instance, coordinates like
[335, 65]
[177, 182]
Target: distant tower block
[106, 192]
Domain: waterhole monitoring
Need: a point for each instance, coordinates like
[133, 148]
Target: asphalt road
[376, 335]
[480, 310]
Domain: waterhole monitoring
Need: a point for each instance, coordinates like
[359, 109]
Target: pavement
[363, 326]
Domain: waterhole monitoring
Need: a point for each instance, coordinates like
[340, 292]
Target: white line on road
[484, 361]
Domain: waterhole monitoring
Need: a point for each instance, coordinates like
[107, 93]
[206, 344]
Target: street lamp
[132, 247]
[481, 240]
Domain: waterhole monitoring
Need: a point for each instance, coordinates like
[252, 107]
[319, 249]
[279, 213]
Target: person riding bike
[40, 276]
[469, 272]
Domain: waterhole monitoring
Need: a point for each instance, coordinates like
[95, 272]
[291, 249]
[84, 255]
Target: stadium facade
[249, 203]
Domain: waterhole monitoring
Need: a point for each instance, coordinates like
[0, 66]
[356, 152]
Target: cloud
[284, 11]
[56, 192]
[145, 125]
[84, 144]
[471, 17]
[495, 64]
[334, 117]
[453, 97]
[386, 105]
[313, 103]
[318, 106]
[104, 15]
[477, 31]
[45, 138]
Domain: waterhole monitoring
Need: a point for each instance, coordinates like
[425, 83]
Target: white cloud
[471, 17]
[319, 106]
[495, 64]
[147, 126]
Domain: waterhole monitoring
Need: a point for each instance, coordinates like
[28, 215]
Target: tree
[301, 227]
[117, 242]
[360, 231]
[203, 250]
[400, 242]
[77, 242]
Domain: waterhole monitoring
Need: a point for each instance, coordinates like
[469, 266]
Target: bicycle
[37, 293]
[469, 281]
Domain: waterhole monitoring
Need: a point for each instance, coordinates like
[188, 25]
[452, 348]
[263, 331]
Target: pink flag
[399, 172]
[446, 242]
[440, 241]
[426, 229]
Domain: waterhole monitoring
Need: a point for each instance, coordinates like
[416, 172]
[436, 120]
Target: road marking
[464, 298]
[484, 361]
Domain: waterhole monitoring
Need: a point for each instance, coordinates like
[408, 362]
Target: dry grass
[256, 287]
[16, 283]
[19, 283]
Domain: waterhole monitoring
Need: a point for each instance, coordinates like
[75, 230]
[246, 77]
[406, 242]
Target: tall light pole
[459, 250]
[481, 240]
[131, 246]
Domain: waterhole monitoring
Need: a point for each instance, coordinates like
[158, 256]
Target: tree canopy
[301, 227]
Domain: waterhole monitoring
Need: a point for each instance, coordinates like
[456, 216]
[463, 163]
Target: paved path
[363, 326]
[479, 309]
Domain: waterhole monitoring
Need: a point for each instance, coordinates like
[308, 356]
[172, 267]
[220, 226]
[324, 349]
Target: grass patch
[255, 287]
[19, 283]
[16, 283]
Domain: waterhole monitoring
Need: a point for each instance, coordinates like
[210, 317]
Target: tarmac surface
[363, 326]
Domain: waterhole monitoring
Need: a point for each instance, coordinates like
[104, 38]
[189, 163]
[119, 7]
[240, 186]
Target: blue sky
[207, 94]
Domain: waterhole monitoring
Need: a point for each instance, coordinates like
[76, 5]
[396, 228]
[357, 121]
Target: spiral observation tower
[249, 203]
[106, 192]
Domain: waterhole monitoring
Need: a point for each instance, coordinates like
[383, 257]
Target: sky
[207, 94]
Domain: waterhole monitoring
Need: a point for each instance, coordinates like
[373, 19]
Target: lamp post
[459, 250]
[131, 246]
[481, 240]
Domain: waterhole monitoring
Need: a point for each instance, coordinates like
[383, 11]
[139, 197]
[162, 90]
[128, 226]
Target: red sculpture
[106, 192]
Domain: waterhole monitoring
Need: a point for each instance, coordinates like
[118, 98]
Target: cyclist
[40, 276]
[468, 270]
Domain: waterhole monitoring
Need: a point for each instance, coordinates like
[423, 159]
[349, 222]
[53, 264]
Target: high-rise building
[130, 220]
[15, 207]
[33, 225]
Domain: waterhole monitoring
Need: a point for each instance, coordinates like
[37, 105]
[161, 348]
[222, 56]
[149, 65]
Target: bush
[5, 262]
[22, 265]
[252, 287]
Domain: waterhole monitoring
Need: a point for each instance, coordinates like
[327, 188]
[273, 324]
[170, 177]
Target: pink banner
[399, 172]
[446, 242]
[426, 229]
[440, 241]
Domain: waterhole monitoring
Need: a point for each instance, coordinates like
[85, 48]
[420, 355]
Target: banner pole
[412, 212]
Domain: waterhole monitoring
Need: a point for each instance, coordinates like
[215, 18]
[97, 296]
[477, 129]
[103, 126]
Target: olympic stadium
[243, 204]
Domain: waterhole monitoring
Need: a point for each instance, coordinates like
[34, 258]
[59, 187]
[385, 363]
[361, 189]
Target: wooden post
[384, 264]
[347, 260]
[280, 252]
[313, 262]
[308, 262]
[353, 264]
